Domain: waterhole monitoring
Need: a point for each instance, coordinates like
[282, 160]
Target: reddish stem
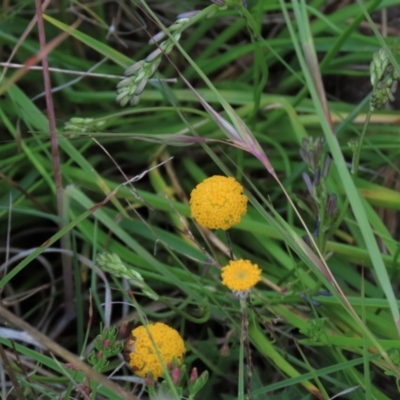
[66, 261]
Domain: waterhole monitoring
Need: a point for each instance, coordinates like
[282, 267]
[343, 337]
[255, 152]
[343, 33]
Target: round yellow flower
[240, 275]
[218, 202]
[142, 355]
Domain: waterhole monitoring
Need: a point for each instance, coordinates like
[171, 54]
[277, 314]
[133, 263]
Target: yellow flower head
[218, 202]
[240, 275]
[142, 355]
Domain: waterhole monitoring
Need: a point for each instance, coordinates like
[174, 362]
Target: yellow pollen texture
[218, 202]
[240, 275]
[144, 359]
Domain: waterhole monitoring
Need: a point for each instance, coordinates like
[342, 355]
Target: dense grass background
[279, 73]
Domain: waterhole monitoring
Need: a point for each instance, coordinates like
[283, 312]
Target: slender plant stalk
[367, 372]
[246, 344]
[66, 260]
[260, 67]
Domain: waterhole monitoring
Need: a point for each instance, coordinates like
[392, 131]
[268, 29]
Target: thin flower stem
[260, 67]
[66, 260]
[321, 234]
[246, 343]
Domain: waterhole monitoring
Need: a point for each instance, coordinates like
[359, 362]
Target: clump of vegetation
[202, 211]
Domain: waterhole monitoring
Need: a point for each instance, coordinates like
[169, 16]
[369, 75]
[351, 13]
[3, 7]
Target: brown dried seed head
[129, 347]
